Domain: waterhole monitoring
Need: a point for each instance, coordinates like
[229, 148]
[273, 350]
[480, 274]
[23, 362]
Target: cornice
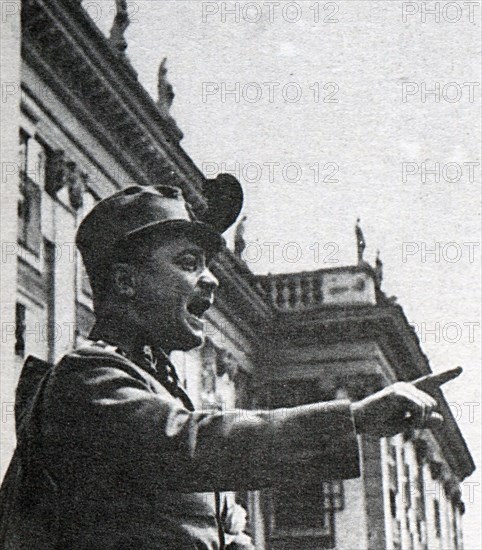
[61, 41]
[362, 268]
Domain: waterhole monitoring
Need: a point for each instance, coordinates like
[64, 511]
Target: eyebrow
[198, 251]
[194, 249]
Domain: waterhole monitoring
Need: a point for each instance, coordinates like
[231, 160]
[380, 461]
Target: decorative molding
[63, 172]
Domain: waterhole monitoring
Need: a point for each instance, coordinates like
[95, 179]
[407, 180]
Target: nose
[208, 281]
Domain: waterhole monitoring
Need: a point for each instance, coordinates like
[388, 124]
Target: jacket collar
[153, 360]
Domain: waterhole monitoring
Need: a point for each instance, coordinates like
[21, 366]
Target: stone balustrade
[310, 290]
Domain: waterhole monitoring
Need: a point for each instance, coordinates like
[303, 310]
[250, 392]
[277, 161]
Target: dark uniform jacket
[108, 459]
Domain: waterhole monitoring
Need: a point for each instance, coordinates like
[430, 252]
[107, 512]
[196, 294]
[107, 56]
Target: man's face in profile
[174, 288]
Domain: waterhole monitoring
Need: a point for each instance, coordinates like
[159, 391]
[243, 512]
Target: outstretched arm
[103, 411]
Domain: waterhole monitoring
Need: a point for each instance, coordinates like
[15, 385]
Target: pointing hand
[402, 405]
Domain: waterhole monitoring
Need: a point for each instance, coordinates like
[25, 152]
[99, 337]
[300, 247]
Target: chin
[187, 339]
[188, 344]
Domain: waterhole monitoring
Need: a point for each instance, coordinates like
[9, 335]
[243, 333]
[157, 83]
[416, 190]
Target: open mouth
[198, 306]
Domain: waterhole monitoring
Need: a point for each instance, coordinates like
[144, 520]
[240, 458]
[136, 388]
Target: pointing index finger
[433, 381]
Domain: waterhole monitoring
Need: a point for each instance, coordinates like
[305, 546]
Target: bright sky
[333, 120]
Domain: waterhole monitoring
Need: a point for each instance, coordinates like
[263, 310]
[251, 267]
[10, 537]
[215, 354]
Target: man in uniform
[111, 453]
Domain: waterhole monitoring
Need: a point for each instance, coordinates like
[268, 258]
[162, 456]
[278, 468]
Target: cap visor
[202, 234]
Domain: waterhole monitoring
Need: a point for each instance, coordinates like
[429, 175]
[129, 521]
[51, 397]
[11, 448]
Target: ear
[124, 279]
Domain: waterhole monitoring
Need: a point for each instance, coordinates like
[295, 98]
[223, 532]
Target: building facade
[81, 127]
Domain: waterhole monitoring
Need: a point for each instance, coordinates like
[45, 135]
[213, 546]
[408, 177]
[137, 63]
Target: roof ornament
[239, 241]
[165, 97]
[165, 92]
[119, 26]
[360, 242]
[378, 269]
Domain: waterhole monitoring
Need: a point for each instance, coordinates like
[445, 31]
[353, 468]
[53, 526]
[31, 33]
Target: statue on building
[75, 181]
[165, 97]
[378, 270]
[64, 173]
[360, 242]
[165, 91]
[239, 242]
[119, 27]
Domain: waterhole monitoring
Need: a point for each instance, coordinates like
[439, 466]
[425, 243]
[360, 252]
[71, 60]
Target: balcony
[345, 286]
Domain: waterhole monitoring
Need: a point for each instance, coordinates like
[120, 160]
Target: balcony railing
[310, 290]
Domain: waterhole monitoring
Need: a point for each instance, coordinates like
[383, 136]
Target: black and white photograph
[240, 275]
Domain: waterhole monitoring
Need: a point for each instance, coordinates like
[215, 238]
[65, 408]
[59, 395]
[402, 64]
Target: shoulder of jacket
[95, 355]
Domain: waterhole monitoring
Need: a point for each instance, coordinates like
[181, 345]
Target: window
[303, 515]
[310, 509]
[436, 518]
[407, 489]
[393, 504]
[20, 327]
[299, 507]
[32, 162]
[421, 491]
[393, 493]
[455, 527]
[420, 504]
[49, 248]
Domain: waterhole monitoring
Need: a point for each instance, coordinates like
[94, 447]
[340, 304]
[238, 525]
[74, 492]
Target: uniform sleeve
[100, 411]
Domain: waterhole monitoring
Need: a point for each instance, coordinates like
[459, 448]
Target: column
[401, 496]
[446, 542]
[432, 492]
[414, 495]
[307, 290]
[10, 123]
[385, 458]
[297, 291]
[257, 519]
